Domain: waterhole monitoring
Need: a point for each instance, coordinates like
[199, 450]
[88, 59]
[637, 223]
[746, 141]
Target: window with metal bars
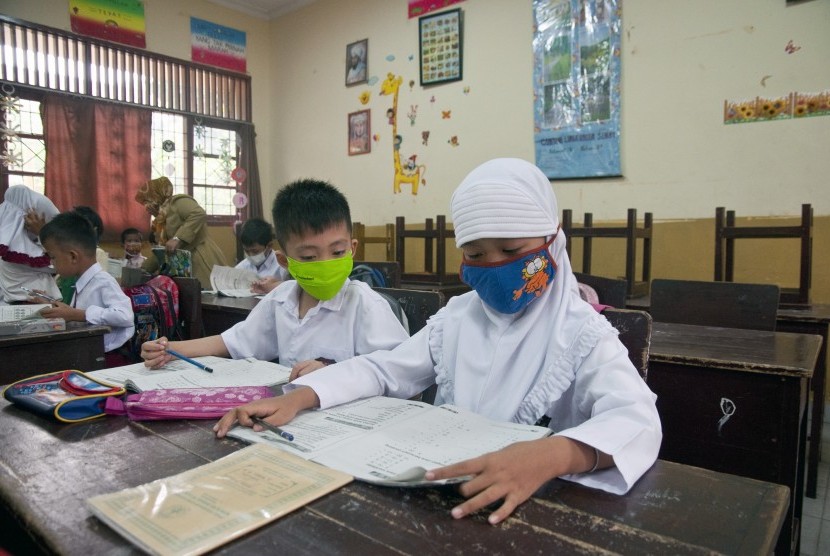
[197, 110]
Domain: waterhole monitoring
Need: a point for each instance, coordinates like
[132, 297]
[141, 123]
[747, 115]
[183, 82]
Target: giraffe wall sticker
[410, 172]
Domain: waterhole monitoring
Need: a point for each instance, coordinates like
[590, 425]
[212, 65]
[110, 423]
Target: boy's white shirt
[105, 303]
[267, 269]
[355, 321]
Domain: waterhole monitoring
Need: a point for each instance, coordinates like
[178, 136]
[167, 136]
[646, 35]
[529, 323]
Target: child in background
[70, 241]
[131, 241]
[319, 317]
[257, 238]
[521, 347]
[22, 260]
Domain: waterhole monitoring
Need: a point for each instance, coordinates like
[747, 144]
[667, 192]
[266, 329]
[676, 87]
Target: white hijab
[512, 367]
[22, 260]
[16, 245]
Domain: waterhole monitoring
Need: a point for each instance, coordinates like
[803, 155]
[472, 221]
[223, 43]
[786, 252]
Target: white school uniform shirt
[357, 320]
[267, 269]
[99, 294]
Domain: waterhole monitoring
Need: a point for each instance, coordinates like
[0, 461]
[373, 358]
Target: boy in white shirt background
[318, 317]
[70, 241]
[257, 238]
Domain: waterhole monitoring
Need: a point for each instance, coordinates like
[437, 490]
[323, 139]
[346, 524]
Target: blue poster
[576, 85]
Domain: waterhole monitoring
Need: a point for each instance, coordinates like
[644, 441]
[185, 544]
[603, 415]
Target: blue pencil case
[66, 396]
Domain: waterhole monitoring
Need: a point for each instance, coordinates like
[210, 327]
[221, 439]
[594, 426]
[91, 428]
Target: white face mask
[257, 259]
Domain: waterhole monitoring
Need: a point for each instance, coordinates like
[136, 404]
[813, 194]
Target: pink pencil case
[184, 403]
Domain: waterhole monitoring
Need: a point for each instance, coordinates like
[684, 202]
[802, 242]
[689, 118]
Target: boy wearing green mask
[319, 317]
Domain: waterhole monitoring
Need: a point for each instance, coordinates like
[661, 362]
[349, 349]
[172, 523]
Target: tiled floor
[815, 526]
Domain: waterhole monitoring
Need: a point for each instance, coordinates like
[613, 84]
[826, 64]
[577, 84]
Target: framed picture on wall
[440, 44]
[357, 54]
[360, 132]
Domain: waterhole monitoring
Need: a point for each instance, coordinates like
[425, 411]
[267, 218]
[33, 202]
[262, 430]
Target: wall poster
[576, 85]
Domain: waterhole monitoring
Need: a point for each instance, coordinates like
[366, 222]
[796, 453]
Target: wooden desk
[673, 509]
[808, 319]
[734, 401]
[80, 346]
[220, 313]
[448, 290]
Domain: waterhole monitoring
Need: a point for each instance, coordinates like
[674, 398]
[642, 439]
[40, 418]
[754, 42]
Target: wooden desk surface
[47, 470]
[80, 346]
[753, 351]
[211, 301]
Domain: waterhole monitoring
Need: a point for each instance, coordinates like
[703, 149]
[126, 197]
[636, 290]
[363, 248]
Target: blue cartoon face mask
[509, 286]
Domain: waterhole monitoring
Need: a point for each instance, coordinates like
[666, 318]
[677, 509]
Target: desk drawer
[731, 421]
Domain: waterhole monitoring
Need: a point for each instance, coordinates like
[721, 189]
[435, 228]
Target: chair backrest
[610, 290]
[190, 307]
[630, 232]
[726, 232]
[635, 334]
[418, 305]
[387, 239]
[435, 236]
[724, 304]
[390, 270]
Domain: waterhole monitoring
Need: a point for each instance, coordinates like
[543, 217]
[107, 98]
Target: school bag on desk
[156, 309]
[67, 396]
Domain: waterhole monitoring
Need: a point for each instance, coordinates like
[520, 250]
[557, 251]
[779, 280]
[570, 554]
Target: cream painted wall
[681, 60]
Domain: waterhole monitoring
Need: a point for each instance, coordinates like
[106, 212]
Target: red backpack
[156, 309]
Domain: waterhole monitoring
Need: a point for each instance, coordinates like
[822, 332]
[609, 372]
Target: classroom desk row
[47, 470]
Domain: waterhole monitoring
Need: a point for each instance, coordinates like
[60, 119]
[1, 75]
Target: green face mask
[321, 279]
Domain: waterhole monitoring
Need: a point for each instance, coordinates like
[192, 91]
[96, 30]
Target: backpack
[156, 309]
[368, 274]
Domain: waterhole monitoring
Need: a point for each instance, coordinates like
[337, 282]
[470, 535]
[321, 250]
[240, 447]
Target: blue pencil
[189, 360]
[268, 426]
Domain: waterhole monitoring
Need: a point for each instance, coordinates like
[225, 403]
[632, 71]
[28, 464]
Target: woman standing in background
[180, 223]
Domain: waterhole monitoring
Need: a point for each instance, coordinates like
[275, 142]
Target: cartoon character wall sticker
[410, 173]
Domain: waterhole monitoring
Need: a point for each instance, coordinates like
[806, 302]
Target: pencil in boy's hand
[189, 360]
[273, 428]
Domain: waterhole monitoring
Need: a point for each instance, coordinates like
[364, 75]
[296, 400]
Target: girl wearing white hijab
[521, 347]
[22, 259]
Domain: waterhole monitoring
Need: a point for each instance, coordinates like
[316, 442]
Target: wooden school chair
[391, 271]
[726, 232]
[434, 236]
[724, 304]
[610, 291]
[630, 232]
[418, 305]
[635, 334]
[387, 239]
[190, 308]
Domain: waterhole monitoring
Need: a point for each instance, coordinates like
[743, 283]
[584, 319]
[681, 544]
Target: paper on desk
[393, 442]
[200, 509]
[181, 374]
[21, 311]
[232, 282]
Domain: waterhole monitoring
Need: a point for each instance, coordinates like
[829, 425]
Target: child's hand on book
[276, 411]
[304, 367]
[61, 310]
[513, 474]
[154, 353]
[264, 285]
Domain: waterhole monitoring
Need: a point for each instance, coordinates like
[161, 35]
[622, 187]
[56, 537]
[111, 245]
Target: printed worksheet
[232, 282]
[392, 442]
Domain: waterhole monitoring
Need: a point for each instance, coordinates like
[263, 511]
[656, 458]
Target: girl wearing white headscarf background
[22, 259]
[522, 346]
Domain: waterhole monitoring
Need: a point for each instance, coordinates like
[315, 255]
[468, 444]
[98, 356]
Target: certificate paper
[198, 510]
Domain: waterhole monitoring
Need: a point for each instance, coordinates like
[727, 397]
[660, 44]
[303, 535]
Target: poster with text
[576, 85]
[217, 45]
[120, 21]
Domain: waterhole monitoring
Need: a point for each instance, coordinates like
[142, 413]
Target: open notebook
[181, 374]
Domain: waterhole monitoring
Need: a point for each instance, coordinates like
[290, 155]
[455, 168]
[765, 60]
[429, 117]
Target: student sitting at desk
[70, 240]
[521, 347]
[257, 238]
[319, 317]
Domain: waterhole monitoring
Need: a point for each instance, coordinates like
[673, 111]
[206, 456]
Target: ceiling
[263, 9]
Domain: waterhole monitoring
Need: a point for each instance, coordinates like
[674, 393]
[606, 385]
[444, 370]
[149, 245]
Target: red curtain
[98, 154]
